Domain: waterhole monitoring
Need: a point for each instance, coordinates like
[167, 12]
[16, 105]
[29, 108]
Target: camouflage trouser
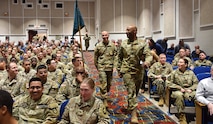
[180, 97]
[160, 86]
[132, 83]
[105, 78]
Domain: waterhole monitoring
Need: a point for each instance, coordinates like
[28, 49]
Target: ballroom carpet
[148, 113]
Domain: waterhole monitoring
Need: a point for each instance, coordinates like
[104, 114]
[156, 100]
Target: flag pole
[81, 44]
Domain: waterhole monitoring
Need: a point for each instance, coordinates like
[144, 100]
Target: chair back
[202, 76]
[201, 69]
[62, 108]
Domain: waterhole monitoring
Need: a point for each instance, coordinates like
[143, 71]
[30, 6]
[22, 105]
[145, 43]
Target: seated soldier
[36, 107]
[184, 83]
[158, 73]
[85, 108]
[182, 54]
[50, 87]
[54, 73]
[71, 86]
[12, 83]
[202, 61]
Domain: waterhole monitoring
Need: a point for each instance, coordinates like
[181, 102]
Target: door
[32, 33]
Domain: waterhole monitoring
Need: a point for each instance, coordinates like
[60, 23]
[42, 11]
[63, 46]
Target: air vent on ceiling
[40, 2]
[43, 26]
[44, 6]
[29, 6]
[59, 5]
[15, 1]
[31, 26]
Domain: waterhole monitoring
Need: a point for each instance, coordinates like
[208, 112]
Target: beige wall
[191, 20]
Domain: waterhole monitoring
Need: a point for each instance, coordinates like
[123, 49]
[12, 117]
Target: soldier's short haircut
[8, 65]
[41, 67]
[35, 79]
[48, 62]
[6, 100]
[3, 59]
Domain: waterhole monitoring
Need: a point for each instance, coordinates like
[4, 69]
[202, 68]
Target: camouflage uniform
[90, 112]
[129, 66]
[56, 75]
[176, 59]
[205, 62]
[159, 69]
[70, 88]
[185, 80]
[51, 88]
[27, 76]
[3, 74]
[15, 87]
[104, 59]
[43, 111]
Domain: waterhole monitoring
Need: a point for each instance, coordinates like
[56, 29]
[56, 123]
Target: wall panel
[107, 15]
[186, 19]
[4, 24]
[56, 26]
[156, 15]
[169, 18]
[147, 18]
[15, 26]
[206, 10]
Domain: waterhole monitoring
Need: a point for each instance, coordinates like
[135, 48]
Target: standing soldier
[131, 52]
[158, 73]
[104, 59]
[86, 39]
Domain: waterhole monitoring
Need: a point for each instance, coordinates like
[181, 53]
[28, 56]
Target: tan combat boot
[182, 119]
[161, 102]
[134, 119]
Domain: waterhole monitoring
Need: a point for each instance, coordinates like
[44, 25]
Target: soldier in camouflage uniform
[87, 39]
[3, 72]
[12, 82]
[182, 54]
[35, 107]
[202, 61]
[184, 83]
[85, 108]
[28, 73]
[54, 73]
[71, 86]
[158, 73]
[50, 87]
[104, 59]
[131, 52]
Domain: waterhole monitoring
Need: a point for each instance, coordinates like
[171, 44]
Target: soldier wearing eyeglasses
[36, 107]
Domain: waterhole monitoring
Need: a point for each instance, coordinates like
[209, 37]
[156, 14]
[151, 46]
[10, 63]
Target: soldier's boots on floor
[134, 119]
[161, 102]
[182, 119]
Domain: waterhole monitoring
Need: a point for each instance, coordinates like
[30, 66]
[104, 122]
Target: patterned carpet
[147, 112]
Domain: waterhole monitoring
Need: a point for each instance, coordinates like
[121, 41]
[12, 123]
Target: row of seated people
[182, 81]
[202, 61]
[38, 100]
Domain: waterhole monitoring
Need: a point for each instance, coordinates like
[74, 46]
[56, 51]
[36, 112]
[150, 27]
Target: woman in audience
[184, 83]
[85, 108]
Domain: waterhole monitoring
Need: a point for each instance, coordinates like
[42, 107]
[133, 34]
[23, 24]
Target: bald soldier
[104, 59]
[132, 51]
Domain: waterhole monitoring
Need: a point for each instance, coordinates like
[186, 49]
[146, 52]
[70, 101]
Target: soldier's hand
[182, 90]
[120, 74]
[210, 108]
[79, 77]
[188, 90]
[145, 64]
